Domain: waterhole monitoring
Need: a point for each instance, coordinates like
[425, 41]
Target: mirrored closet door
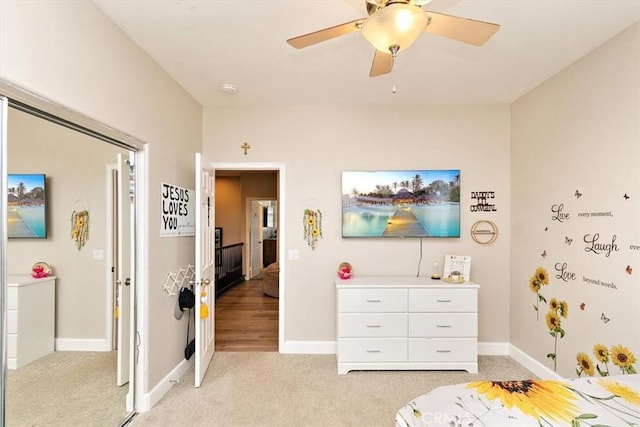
[75, 227]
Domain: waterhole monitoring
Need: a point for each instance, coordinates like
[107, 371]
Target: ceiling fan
[393, 26]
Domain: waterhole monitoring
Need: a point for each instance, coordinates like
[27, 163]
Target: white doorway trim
[281, 196]
[139, 354]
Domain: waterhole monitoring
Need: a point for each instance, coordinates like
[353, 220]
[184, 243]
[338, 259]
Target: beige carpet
[66, 389]
[272, 389]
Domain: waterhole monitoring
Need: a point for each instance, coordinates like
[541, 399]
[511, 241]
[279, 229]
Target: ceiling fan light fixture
[397, 24]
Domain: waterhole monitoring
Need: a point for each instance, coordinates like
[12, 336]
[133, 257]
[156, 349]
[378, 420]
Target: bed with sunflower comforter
[587, 401]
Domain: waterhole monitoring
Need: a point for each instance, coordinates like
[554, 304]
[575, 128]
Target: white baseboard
[309, 347]
[531, 364]
[493, 348]
[81, 344]
[152, 397]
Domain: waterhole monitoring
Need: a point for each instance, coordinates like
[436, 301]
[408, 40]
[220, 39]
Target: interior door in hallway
[205, 267]
[255, 231]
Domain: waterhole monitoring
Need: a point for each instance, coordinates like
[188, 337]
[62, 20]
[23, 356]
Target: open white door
[255, 237]
[205, 267]
[123, 273]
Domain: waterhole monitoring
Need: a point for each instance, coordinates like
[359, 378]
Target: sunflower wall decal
[557, 311]
[80, 227]
[540, 278]
[312, 226]
[619, 355]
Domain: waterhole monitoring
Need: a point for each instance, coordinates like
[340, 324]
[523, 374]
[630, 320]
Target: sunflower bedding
[586, 401]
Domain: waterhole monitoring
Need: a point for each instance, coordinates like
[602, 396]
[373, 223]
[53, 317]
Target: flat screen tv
[26, 206]
[401, 203]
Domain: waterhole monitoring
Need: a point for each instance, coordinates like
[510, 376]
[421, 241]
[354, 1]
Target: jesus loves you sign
[178, 211]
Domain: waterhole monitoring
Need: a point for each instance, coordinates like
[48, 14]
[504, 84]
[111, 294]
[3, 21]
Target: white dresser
[392, 323]
[30, 319]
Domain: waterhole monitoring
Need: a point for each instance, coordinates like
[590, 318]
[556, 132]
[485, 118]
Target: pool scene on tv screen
[408, 203]
[26, 206]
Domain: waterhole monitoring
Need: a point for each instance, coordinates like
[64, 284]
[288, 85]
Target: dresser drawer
[372, 300]
[372, 350]
[443, 300]
[372, 325]
[443, 349]
[443, 325]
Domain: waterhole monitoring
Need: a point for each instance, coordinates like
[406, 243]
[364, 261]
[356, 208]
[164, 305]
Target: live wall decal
[585, 260]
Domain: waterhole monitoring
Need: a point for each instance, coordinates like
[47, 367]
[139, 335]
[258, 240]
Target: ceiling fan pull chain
[394, 54]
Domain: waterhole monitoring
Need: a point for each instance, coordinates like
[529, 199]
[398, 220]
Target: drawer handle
[374, 300]
[373, 351]
[443, 351]
[443, 300]
[373, 326]
[443, 326]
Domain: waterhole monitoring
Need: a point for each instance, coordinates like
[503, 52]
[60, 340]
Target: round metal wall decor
[484, 232]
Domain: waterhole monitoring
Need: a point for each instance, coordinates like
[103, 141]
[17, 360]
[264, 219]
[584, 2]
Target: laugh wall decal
[588, 246]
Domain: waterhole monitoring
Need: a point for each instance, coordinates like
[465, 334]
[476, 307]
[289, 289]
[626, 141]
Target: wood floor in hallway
[246, 319]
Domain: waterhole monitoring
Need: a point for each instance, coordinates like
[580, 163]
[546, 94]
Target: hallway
[246, 319]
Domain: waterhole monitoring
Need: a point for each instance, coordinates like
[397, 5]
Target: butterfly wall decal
[582, 306]
[544, 254]
[567, 240]
[604, 318]
[626, 197]
[629, 270]
[578, 194]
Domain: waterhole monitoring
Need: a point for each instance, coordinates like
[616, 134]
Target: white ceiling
[205, 43]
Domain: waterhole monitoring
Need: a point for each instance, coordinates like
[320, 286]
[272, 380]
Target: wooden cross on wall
[245, 147]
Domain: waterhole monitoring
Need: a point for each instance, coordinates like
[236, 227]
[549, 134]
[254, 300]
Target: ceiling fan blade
[326, 34]
[461, 29]
[382, 64]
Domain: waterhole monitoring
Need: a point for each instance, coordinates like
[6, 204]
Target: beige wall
[228, 206]
[72, 54]
[317, 143]
[76, 169]
[579, 131]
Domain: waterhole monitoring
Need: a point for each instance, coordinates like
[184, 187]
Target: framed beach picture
[401, 203]
[26, 206]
